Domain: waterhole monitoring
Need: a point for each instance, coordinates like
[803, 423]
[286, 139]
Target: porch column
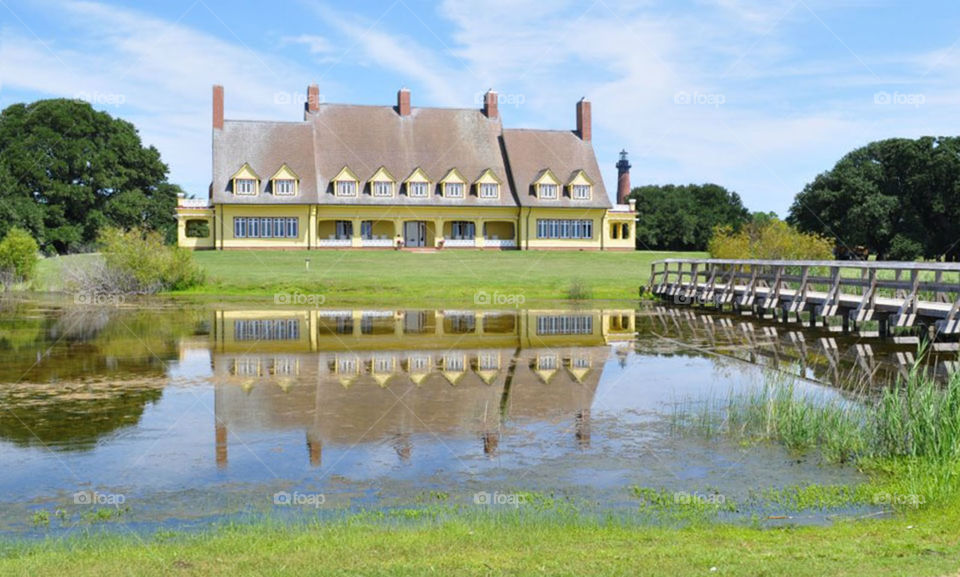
[397, 231]
[355, 240]
[437, 232]
[479, 236]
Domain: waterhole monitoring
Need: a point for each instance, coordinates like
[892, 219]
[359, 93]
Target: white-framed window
[489, 190]
[284, 187]
[344, 229]
[565, 228]
[346, 188]
[548, 190]
[382, 188]
[269, 227]
[580, 191]
[453, 190]
[418, 189]
[245, 186]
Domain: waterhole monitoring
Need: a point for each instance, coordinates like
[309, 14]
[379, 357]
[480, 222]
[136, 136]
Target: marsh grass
[907, 435]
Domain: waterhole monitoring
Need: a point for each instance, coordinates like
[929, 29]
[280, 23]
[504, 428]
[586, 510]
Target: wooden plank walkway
[897, 294]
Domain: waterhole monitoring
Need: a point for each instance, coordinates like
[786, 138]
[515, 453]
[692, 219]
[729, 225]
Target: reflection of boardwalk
[351, 397]
[829, 356]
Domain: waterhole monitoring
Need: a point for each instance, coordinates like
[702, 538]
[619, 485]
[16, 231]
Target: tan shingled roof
[532, 152]
[433, 139]
[265, 146]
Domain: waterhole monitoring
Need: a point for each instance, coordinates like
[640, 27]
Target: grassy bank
[915, 544]
[364, 277]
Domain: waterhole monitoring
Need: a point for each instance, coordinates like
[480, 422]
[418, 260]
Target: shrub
[903, 248]
[144, 257]
[18, 255]
[769, 238]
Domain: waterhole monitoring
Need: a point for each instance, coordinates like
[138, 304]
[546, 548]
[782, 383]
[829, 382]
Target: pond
[164, 414]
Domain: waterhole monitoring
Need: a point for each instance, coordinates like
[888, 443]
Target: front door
[415, 233]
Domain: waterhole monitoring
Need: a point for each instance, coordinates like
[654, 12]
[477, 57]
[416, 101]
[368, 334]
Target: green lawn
[917, 544]
[359, 277]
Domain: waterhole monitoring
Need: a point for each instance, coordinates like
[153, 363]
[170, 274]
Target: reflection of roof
[439, 401]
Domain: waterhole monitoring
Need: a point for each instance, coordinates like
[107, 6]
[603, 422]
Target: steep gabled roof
[265, 146]
[433, 139]
[531, 152]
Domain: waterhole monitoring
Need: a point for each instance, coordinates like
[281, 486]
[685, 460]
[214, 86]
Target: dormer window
[580, 187]
[346, 188]
[453, 190]
[547, 185]
[488, 185]
[246, 186]
[418, 184]
[418, 189]
[284, 182]
[382, 188]
[489, 190]
[284, 187]
[346, 183]
[381, 183]
[453, 185]
[245, 181]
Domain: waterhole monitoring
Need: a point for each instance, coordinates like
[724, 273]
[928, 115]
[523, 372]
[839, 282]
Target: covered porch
[413, 232]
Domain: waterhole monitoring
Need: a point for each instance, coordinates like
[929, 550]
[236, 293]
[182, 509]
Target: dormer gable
[579, 186]
[453, 184]
[245, 182]
[285, 182]
[547, 186]
[346, 182]
[418, 184]
[382, 183]
[487, 185]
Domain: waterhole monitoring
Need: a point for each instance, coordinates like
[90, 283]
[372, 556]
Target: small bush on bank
[770, 239]
[18, 257]
[135, 262]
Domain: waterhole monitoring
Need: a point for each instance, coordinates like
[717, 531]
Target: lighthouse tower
[623, 178]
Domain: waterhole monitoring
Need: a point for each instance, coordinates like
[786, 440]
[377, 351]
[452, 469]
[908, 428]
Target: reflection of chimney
[315, 449]
[583, 428]
[491, 442]
[221, 445]
[623, 178]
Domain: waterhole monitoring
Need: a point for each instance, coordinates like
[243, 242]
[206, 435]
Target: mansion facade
[350, 176]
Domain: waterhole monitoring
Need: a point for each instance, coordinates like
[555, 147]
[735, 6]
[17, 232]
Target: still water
[182, 415]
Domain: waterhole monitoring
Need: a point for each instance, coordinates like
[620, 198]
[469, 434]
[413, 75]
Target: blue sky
[756, 95]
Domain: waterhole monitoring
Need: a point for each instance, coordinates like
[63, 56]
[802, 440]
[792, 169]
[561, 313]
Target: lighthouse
[623, 178]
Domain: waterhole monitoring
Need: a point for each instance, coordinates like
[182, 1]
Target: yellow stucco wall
[316, 222]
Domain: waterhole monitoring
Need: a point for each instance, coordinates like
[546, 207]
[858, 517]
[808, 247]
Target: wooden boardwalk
[896, 294]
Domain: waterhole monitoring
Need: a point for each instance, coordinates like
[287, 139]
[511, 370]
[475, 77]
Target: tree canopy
[672, 217]
[67, 170]
[900, 198]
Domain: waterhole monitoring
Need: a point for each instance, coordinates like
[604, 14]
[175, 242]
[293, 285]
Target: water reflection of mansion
[348, 377]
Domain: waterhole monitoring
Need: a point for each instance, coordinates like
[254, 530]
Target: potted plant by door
[398, 242]
[440, 242]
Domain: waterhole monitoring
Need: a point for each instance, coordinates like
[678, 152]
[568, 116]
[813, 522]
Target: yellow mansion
[351, 176]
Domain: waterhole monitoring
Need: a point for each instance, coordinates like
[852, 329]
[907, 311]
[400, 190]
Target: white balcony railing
[459, 242]
[500, 242]
[334, 242]
[376, 242]
[193, 202]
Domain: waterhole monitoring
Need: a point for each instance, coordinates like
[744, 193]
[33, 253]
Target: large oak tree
[900, 198]
[66, 170]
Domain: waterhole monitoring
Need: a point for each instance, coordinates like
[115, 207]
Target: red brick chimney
[403, 102]
[313, 98]
[217, 107]
[583, 119]
[490, 104]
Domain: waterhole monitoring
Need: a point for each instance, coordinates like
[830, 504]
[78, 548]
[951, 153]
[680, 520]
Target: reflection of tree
[72, 417]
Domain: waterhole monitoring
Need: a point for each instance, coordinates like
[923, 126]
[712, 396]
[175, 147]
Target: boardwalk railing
[897, 294]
